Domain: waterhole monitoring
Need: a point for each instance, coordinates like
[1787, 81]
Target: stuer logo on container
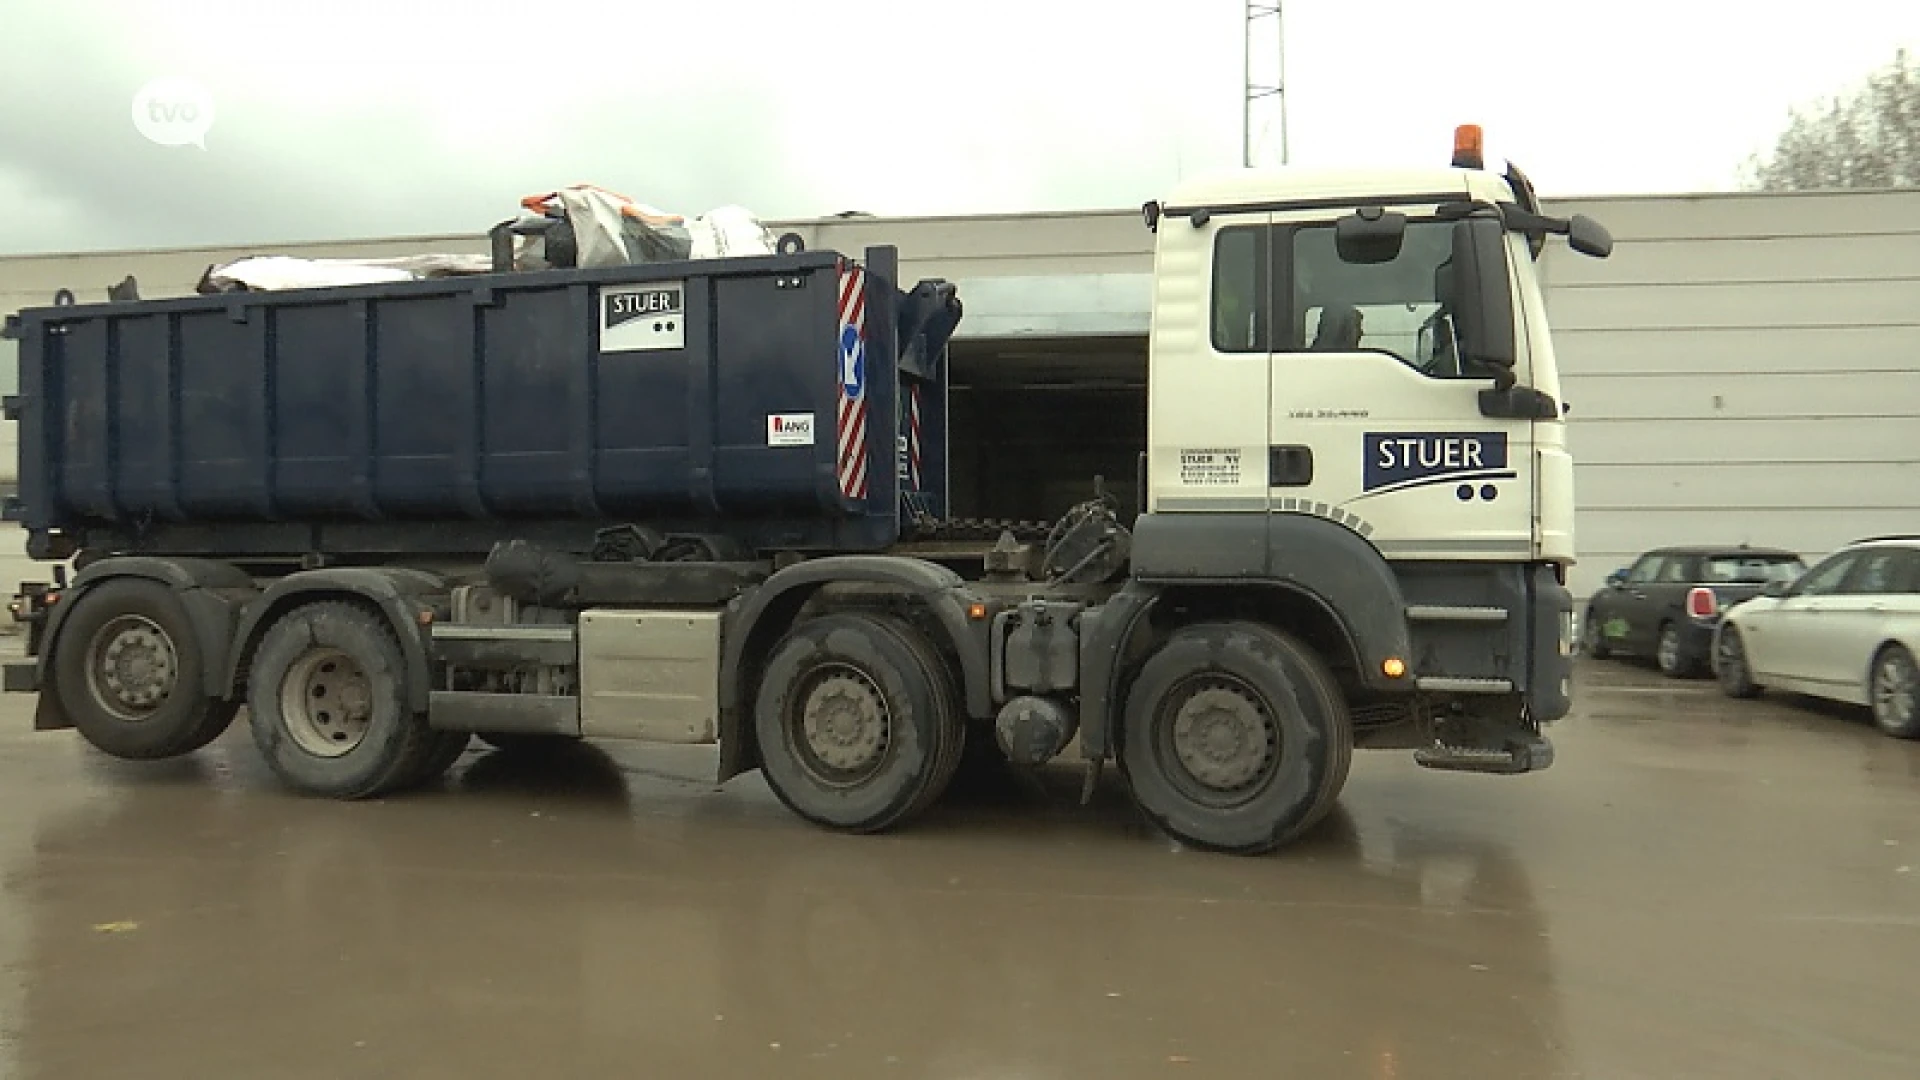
[1396, 460]
[790, 429]
[642, 317]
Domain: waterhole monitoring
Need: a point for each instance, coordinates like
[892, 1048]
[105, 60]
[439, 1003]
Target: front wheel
[1730, 665]
[1895, 693]
[327, 703]
[1591, 642]
[1236, 738]
[857, 722]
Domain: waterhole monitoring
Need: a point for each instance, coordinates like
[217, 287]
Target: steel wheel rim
[1894, 690]
[132, 667]
[326, 703]
[840, 725]
[1219, 740]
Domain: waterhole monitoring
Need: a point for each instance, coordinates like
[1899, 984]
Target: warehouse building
[1744, 368]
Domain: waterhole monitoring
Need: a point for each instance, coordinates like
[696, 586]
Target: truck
[706, 502]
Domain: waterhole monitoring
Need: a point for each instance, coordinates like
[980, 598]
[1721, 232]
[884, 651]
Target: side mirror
[1616, 579]
[1369, 235]
[1589, 237]
[1482, 304]
[1777, 589]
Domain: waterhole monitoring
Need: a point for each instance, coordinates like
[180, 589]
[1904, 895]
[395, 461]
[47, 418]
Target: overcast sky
[403, 117]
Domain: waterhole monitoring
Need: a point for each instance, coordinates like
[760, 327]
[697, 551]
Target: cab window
[1242, 292]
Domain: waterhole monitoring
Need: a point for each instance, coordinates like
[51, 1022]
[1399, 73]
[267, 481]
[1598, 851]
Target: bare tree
[1868, 138]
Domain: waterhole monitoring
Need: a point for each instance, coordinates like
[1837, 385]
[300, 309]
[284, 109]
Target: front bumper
[1550, 691]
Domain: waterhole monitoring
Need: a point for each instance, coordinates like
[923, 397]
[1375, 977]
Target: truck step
[1449, 684]
[1450, 613]
[21, 677]
[1527, 753]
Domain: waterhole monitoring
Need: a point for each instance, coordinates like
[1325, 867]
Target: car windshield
[1752, 569]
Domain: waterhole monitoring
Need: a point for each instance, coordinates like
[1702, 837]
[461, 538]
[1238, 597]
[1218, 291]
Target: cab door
[1377, 425]
[1207, 367]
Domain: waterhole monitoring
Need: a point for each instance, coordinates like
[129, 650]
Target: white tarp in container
[266, 273]
[609, 229]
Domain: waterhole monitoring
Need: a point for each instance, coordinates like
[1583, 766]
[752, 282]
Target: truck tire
[131, 672]
[857, 722]
[327, 701]
[1236, 738]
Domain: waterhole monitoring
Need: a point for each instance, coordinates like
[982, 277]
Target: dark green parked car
[1665, 606]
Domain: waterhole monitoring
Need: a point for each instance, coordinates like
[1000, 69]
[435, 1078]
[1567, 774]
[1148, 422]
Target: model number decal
[1396, 460]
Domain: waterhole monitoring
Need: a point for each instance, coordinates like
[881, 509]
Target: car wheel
[1591, 642]
[1895, 693]
[1730, 664]
[1671, 655]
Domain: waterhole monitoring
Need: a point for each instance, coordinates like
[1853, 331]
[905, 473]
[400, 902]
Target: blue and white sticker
[1399, 460]
[853, 362]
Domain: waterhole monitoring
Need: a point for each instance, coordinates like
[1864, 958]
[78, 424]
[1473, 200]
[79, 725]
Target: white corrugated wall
[1745, 367]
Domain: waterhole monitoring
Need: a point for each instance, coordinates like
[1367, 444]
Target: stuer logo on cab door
[1398, 460]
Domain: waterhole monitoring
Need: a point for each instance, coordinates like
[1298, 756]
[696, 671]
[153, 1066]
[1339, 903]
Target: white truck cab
[1295, 372]
[1352, 378]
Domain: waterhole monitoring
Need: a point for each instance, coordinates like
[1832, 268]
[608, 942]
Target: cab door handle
[1289, 466]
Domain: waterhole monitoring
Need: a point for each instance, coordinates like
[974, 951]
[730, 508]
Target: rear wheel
[1730, 665]
[327, 703]
[131, 673]
[857, 723]
[1671, 655]
[1895, 693]
[1236, 738]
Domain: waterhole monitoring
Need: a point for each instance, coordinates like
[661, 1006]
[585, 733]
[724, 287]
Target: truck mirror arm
[1584, 235]
[1519, 403]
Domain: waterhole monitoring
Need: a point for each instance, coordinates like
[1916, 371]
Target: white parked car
[1847, 630]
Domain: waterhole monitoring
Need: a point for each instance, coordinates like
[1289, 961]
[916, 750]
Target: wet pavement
[1699, 887]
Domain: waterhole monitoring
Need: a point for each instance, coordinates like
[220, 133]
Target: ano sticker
[790, 429]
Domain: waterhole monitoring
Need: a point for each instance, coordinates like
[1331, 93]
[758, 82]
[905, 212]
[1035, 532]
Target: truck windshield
[1396, 307]
[1314, 301]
